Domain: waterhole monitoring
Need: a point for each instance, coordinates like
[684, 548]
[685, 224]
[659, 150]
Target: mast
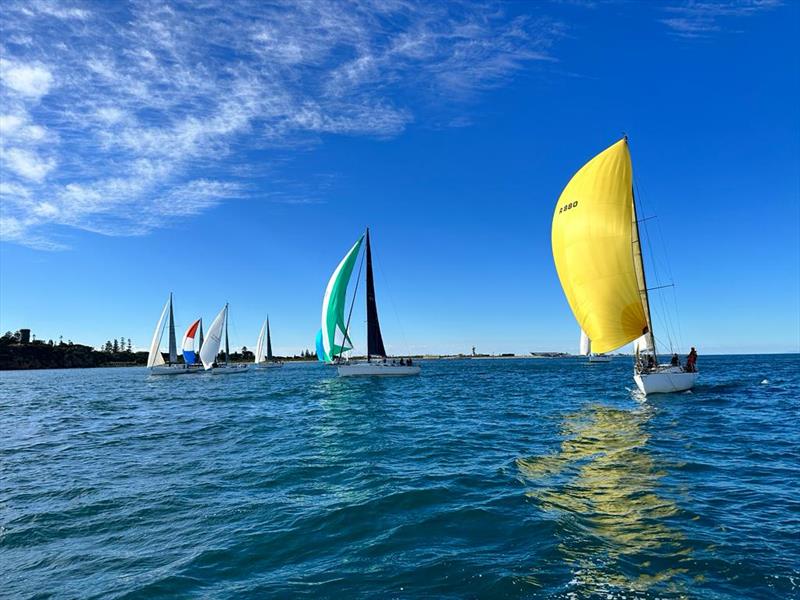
[374, 338]
[269, 342]
[227, 347]
[173, 346]
[639, 264]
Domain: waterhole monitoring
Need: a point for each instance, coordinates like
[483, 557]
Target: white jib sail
[260, 344]
[586, 344]
[154, 357]
[642, 344]
[208, 354]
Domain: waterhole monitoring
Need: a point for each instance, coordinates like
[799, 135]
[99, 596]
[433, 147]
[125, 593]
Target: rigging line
[235, 335]
[385, 284]
[674, 324]
[664, 312]
[655, 261]
[672, 278]
[352, 305]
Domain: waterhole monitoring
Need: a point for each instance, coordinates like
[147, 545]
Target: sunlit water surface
[477, 479]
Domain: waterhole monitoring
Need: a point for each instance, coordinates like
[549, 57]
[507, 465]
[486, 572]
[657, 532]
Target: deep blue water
[478, 479]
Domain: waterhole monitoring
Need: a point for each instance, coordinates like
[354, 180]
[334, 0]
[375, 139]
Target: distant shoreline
[24, 355]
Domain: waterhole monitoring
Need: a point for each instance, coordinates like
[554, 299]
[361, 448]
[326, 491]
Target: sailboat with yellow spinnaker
[598, 256]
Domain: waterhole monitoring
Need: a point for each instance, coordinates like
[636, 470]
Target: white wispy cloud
[31, 80]
[121, 118]
[704, 17]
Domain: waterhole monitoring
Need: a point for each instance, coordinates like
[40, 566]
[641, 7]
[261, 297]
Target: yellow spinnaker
[593, 250]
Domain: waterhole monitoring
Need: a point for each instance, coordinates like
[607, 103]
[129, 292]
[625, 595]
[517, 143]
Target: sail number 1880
[568, 206]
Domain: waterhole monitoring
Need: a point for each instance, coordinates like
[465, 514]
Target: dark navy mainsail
[374, 338]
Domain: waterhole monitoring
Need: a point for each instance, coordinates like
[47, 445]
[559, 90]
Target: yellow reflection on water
[602, 485]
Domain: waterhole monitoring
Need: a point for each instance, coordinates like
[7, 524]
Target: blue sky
[234, 152]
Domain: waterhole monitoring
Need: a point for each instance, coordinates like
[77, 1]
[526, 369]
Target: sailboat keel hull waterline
[599, 358]
[668, 381]
[173, 370]
[376, 369]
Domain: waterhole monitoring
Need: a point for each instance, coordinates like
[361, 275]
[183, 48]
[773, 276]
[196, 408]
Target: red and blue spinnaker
[189, 354]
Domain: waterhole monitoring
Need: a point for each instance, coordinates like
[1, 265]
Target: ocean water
[478, 479]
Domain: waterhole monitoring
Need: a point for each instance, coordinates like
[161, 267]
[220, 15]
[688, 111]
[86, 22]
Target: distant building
[24, 336]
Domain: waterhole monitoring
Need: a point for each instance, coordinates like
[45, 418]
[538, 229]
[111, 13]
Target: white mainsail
[586, 344]
[260, 344]
[210, 349]
[154, 357]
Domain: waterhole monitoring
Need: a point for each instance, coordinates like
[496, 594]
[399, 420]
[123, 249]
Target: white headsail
[586, 344]
[260, 344]
[210, 349]
[154, 357]
[643, 344]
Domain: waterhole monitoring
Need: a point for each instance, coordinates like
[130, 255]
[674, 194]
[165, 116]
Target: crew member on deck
[691, 361]
[676, 362]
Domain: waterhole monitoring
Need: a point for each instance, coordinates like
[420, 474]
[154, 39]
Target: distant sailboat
[586, 350]
[210, 349]
[155, 360]
[598, 256]
[334, 323]
[264, 358]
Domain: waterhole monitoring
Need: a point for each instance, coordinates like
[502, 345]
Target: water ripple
[481, 479]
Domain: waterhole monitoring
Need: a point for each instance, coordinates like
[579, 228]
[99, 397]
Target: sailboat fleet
[598, 256]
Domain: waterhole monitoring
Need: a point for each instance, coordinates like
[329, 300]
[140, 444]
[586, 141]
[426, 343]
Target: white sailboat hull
[665, 380]
[172, 370]
[269, 365]
[599, 358]
[376, 369]
[229, 369]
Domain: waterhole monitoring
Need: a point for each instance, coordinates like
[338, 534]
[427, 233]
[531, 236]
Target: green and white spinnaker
[333, 307]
